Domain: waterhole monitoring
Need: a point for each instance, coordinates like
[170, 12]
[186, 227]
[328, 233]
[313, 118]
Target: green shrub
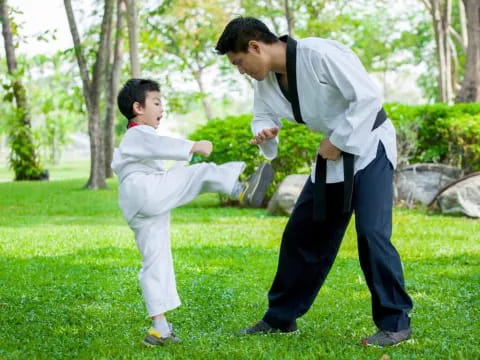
[407, 122]
[438, 133]
[231, 135]
[425, 133]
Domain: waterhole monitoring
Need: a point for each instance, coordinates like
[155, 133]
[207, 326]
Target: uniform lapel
[292, 94]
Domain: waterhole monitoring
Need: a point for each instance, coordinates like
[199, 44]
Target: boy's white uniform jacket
[336, 97]
[139, 156]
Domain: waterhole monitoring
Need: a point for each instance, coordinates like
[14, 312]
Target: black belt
[320, 186]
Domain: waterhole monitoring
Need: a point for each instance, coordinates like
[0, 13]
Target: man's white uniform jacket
[336, 97]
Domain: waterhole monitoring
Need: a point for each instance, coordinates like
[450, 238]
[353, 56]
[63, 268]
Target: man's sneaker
[153, 338]
[256, 186]
[262, 327]
[387, 338]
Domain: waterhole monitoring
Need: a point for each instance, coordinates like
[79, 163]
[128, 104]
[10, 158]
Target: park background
[68, 262]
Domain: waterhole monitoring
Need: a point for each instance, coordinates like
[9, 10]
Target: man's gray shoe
[256, 186]
[387, 338]
[262, 327]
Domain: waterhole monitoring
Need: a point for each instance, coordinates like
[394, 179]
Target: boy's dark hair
[240, 31]
[134, 90]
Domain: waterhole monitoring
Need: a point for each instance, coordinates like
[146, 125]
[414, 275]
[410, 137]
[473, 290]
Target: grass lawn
[62, 171]
[69, 288]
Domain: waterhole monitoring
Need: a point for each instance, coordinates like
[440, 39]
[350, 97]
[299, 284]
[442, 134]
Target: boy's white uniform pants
[151, 224]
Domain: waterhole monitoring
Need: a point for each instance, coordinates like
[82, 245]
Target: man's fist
[264, 135]
[329, 151]
[202, 147]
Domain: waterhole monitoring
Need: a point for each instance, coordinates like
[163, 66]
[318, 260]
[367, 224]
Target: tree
[56, 100]
[23, 157]
[92, 89]
[280, 14]
[470, 90]
[112, 89]
[184, 33]
[132, 19]
[449, 25]
[441, 11]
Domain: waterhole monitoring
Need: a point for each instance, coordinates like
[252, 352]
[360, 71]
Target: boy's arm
[142, 142]
[202, 147]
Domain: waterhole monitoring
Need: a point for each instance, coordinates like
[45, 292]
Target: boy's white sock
[161, 325]
[237, 189]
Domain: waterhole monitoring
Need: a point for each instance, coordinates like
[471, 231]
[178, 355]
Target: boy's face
[252, 62]
[152, 112]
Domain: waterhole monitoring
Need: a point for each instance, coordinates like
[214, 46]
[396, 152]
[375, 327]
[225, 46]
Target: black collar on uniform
[292, 93]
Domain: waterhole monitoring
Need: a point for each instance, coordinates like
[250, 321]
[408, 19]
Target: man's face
[152, 112]
[252, 62]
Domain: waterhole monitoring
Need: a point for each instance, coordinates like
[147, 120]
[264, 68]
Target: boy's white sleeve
[142, 142]
[263, 118]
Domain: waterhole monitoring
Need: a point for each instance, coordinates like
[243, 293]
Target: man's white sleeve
[264, 119]
[342, 69]
[142, 142]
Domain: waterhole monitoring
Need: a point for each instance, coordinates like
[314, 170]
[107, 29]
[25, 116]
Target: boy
[147, 193]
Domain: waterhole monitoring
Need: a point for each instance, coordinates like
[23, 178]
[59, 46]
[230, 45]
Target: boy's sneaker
[387, 338]
[256, 186]
[262, 327]
[153, 338]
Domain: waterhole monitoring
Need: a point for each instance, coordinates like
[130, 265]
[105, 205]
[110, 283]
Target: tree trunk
[463, 23]
[113, 87]
[23, 157]
[97, 163]
[441, 16]
[290, 18]
[132, 19]
[92, 91]
[206, 105]
[447, 19]
[470, 91]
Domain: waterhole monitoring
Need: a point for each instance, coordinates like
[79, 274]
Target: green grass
[63, 171]
[69, 288]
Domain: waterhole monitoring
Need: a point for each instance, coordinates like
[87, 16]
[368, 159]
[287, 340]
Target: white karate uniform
[147, 193]
[337, 98]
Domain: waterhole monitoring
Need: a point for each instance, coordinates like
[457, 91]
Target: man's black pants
[309, 248]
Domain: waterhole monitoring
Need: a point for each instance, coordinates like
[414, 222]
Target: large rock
[462, 196]
[286, 195]
[420, 183]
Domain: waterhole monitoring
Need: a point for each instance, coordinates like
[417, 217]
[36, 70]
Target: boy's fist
[202, 147]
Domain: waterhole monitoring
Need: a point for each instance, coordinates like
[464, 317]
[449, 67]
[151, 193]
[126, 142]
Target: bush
[425, 133]
[438, 133]
[406, 121]
[231, 135]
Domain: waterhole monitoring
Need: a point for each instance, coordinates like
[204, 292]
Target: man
[322, 84]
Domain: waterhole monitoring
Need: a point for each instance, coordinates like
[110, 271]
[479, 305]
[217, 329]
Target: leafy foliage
[22, 158]
[439, 133]
[230, 138]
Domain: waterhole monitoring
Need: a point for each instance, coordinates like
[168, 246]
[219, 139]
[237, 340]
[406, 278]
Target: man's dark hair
[240, 31]
[134, 90]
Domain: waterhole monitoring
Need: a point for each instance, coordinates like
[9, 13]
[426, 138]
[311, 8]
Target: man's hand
[328, 151]
[202, 147]
[264, 135]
